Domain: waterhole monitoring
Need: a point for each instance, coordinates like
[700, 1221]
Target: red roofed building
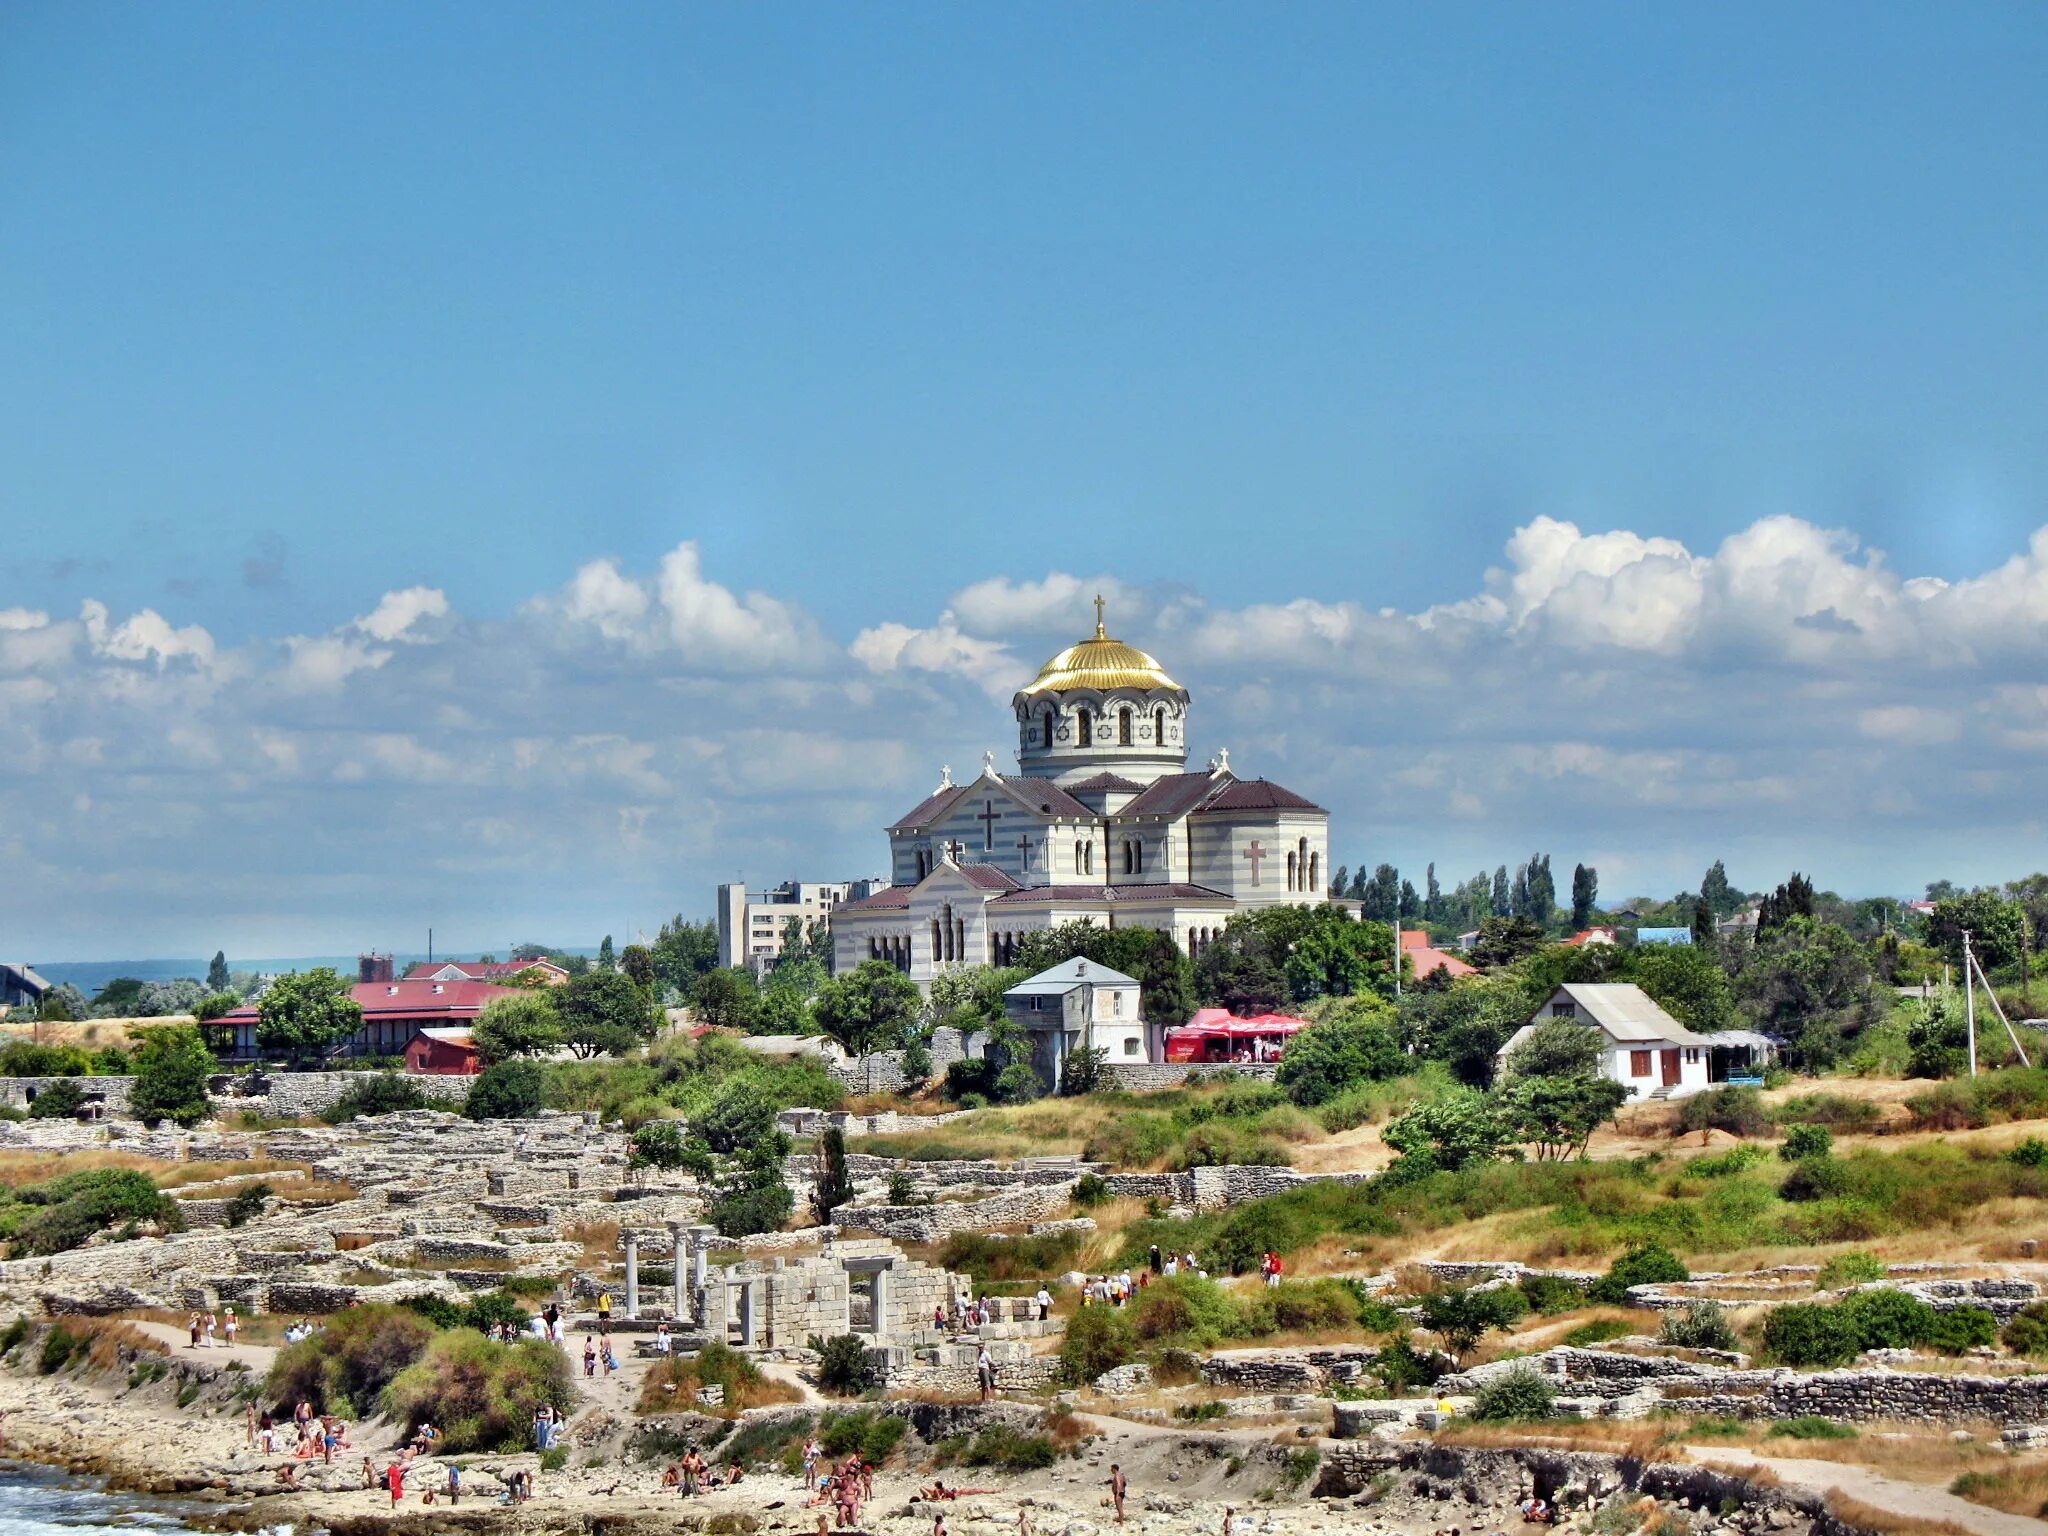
[485, 970]
[1426, 958]
[394, 1014]
[443, 1052]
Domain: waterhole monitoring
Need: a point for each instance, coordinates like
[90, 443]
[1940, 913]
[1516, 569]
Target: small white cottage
[1077, 1005]
[1645, 1050]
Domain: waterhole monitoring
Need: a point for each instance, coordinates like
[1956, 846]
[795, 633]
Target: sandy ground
[1922, 1501]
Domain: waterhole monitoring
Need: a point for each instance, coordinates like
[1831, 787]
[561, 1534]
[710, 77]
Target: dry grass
[671, 1386]
[600, 1240]
[1872, 1517]
[89, 1034]
[2018, 1490]
[111, 1335]
[1910, 1452]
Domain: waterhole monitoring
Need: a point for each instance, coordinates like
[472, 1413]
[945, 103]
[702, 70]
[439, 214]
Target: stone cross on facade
[954, 849]
[1024, 850]
[988, 818]
[1255, 853]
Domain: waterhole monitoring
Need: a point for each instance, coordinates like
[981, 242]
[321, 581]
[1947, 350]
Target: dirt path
[1923, 1501]
[257, 1357]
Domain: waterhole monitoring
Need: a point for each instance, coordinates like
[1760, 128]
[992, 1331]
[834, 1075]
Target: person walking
[1118, 1486]
[1044, 1300]
[395, 1476]
[212, 1326]
[230, 1324]
[192, 1325]
[985, 1372]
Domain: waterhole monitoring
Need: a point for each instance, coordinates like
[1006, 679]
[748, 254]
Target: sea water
[39, 1501]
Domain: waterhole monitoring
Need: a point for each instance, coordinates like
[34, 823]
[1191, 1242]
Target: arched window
[1290, 873]
[1159, 726]
[1138, 855]
[1123, 727]
[1127, 856]
[1084, 728]
[959, 938]
[938, 946]
[1050, 716]
[1315, 873]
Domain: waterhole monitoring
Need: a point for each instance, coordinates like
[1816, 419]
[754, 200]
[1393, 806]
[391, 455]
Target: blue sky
[1271, 315]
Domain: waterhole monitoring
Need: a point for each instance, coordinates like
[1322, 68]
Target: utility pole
[1970, 999]
[1397, 935]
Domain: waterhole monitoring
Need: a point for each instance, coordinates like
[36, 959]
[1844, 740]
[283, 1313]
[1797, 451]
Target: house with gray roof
[1078, 1005]
[1642, 1047]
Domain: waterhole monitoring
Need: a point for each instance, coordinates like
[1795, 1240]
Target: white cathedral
[1103, 821]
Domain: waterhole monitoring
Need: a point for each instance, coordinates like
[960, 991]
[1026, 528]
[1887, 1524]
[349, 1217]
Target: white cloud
[601, 595]
[319, 663]
[708, 620]
[943, 648]
[397, 612]
[145, 636]
[1908, 725]
[1060, 604]
[17, 619]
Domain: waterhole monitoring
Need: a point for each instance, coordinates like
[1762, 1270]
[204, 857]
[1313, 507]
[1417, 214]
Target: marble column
[632, 1274]
[678, 1269]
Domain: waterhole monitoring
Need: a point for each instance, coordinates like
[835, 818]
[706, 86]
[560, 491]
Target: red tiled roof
[1173, 795]
[476, 970]
[1109, 894]
[1425, 960]
[988, 877]
[442, 1001]
[1255, 795]
[929, 808]
[893, 898]
[1051, 799]
[1110, 781]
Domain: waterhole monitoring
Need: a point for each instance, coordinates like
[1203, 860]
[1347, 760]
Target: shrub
[172, 1066]
[902, 1189]
[1811, 1426]
[1462, 1317]
[60, 1101]
[380, 1093]
[1815, 1178]
[1847, 1115]
[1887, 1319]
[247, 1205]
[873, 1434]
[507, 1090]
[1551, 1293]
[2026, 1334]
[346, 1366]
[842, 1364]
[1809, 1334]
[1805, 1141]
[1184, 1310]
[481, 1394]
[1962, 1329]
[1645, 1264]
[1029, 1257]
[2030, 1153]
[1097, 1339]
[1010, 1449]
[1399, 1366]
[1703, 1325]
[1847, 1269]
[1518, 1393]
[1084, 1071]
[1090, 1190]
[553, 1459]
[1722, 1165]
[1598, 1331]
[78, 1206]
[60, 1344]
[751, 1209]
[1330, 1058]
[1738, 1111]
[1311, 1306]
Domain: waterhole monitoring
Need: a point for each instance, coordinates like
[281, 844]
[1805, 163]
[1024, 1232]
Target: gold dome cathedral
[1100, 663]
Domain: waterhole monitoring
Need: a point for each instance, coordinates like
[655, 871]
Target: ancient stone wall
[20, 1092]
[291, 1094]
[1150, 1076]
[929, 1223]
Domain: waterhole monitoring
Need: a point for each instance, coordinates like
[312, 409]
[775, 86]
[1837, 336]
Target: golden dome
[1099, 663]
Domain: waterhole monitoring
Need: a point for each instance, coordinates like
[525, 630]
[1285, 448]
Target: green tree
[658, 1144]
[1357, 1044]
[1585, 892]
[1792, 899]
[1702, 925]
[1554, 1093]
[605, 959]
[1461, 1318]
[1813, 984]
[831, 1184]
[217, 972]
[216, 1006]
[1504, 940]
[1454, 1131]
[1687, 982]
[172, 1066]
[307, 1013]
[605, 1013]
[1332, 956]
[1381, 896]
[737, 1150]
[1502, 901]
[874, 1008]
[1722, 899]
[1432, 897]
[59, 1101]
[1542, 890]
[727, 999]
[525, 1024]
[682, 952]
[637, 961]
[511, 1090]
[1997, 929]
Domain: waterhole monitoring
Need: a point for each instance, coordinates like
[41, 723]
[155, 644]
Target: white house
[1645, 1050]
[1077, 1005]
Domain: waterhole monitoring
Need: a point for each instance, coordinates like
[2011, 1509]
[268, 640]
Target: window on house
[1131, 1047]
[1049, 718]
[1564, 1010]
[1639, 1063]
[1159, 726]
[1084, 726]
[1123, 727]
